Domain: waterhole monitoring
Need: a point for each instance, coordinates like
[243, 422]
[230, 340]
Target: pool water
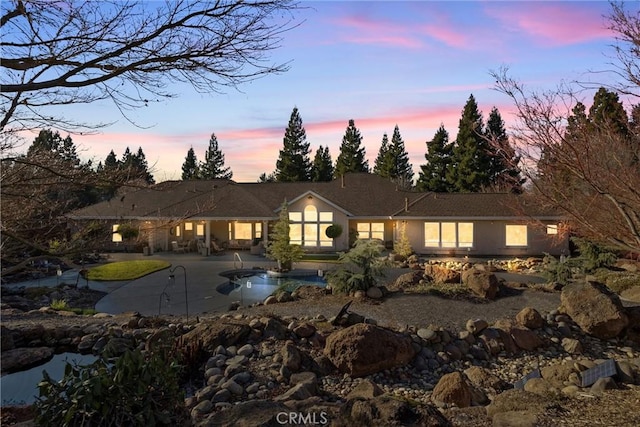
[252, 286]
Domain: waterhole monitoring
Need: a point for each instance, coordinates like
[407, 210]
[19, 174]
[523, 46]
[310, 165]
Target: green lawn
[126, 270]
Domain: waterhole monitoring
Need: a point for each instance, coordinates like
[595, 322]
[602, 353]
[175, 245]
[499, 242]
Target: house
[238, 214]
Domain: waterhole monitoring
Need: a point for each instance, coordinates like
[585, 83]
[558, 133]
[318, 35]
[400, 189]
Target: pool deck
[145, 295]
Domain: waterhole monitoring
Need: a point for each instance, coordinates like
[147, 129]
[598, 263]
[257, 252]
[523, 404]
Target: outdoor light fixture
[172, 279]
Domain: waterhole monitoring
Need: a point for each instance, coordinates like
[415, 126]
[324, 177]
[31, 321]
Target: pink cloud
[444, 33]
[552, 23]
[362, 30]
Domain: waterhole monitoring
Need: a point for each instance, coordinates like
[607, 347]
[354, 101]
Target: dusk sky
[413, 64]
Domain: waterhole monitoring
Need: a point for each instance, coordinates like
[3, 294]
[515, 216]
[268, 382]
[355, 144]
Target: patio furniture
[177, 248]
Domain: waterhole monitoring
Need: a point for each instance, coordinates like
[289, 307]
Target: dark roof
[358, 195]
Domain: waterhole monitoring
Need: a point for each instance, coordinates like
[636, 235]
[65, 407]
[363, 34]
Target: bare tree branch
[69, 51]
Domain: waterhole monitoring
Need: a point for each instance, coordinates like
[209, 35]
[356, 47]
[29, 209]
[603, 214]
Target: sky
[412, 64]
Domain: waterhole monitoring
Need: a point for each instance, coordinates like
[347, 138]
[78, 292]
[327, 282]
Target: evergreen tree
[433, 174]
[135, 166]
[51, 142]
[607, 113]
[471, 154]
[213, 165]
[384, 164]
[403, 171]
[294, 163]
[190, 170]
[322, 167]
[111, 161]
[504, 174]
[280, 248]
[352, 154]
[264, 177]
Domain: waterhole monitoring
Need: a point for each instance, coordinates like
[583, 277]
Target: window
[448, 234]
[552, 229]
[516, 235]
[259, 230]
[178, 230]
[242, 230]
[116, 237]
[370, 230]
[308, 228]
[200, 229]
[188, 226]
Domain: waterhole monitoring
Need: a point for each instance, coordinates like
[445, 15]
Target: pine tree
[504, 174]
[322, 167]
[433, 174]
[280, 248]
[111, 161]
[190, 170]
[51, 142]
[213, 165]
[293, 163]
[471, 158]
[139, 161]
[384, 164]
[352, 154]
[403, 171]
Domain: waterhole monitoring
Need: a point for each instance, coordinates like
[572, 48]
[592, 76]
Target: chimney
[342, 180]
[406, 204]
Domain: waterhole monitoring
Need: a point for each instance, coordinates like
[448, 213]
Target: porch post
[207, 234]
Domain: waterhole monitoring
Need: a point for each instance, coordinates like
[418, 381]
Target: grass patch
[126, 270]
[321, 257]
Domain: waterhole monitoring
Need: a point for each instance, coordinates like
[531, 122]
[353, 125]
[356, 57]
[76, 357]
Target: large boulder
[441, 274]
[407, 280]
[365, 349]
[385, 410]
[481, 283]
[453, 389]
[214, 333]
[20, 359]
[596, 309]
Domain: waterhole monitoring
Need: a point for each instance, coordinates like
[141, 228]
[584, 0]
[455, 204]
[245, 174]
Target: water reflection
[22, 387]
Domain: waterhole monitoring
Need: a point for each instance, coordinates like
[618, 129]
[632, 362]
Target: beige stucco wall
[489, 239]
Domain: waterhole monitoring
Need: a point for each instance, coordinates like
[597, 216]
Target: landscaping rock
[212, 334]
[596, 309]
[452, 389]
[365, 349]
[440, 274]
[481, 283]
[407, 280]
[20, 359]
[530, 318]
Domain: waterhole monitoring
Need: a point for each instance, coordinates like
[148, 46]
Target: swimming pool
[256, 285]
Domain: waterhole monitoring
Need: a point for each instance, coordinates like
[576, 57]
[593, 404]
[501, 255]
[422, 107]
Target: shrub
[361, 266]
[618, 281]
[128, 231]
[60, 305]
[334, 231]
[556, 271]
[137, 390]
[402, 246]
[594, 256]
[280, 248]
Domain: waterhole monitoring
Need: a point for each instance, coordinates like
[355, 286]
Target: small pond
[251, 286]
[22, 387]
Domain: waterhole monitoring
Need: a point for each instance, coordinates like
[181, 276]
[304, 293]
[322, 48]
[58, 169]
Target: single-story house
[177, 215]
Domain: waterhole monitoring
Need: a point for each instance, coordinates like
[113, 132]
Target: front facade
[206, 216]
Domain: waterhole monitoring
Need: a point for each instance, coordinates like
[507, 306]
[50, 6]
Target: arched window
[308, 228]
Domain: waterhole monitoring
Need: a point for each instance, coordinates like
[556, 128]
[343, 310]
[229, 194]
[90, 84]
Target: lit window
[448, 234]
[516, 235]
[363, 230]
[310, 214]
[295, 234]
[326, 216]
[200, 229]
[242, 230]
[295, 216]
[116, 237]
[552, 229]
[448, 230]
[377, 230]
[188, 226]
[178, 231]
[259, 230]
[310, 234]
[465, 234]
[324, 240]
